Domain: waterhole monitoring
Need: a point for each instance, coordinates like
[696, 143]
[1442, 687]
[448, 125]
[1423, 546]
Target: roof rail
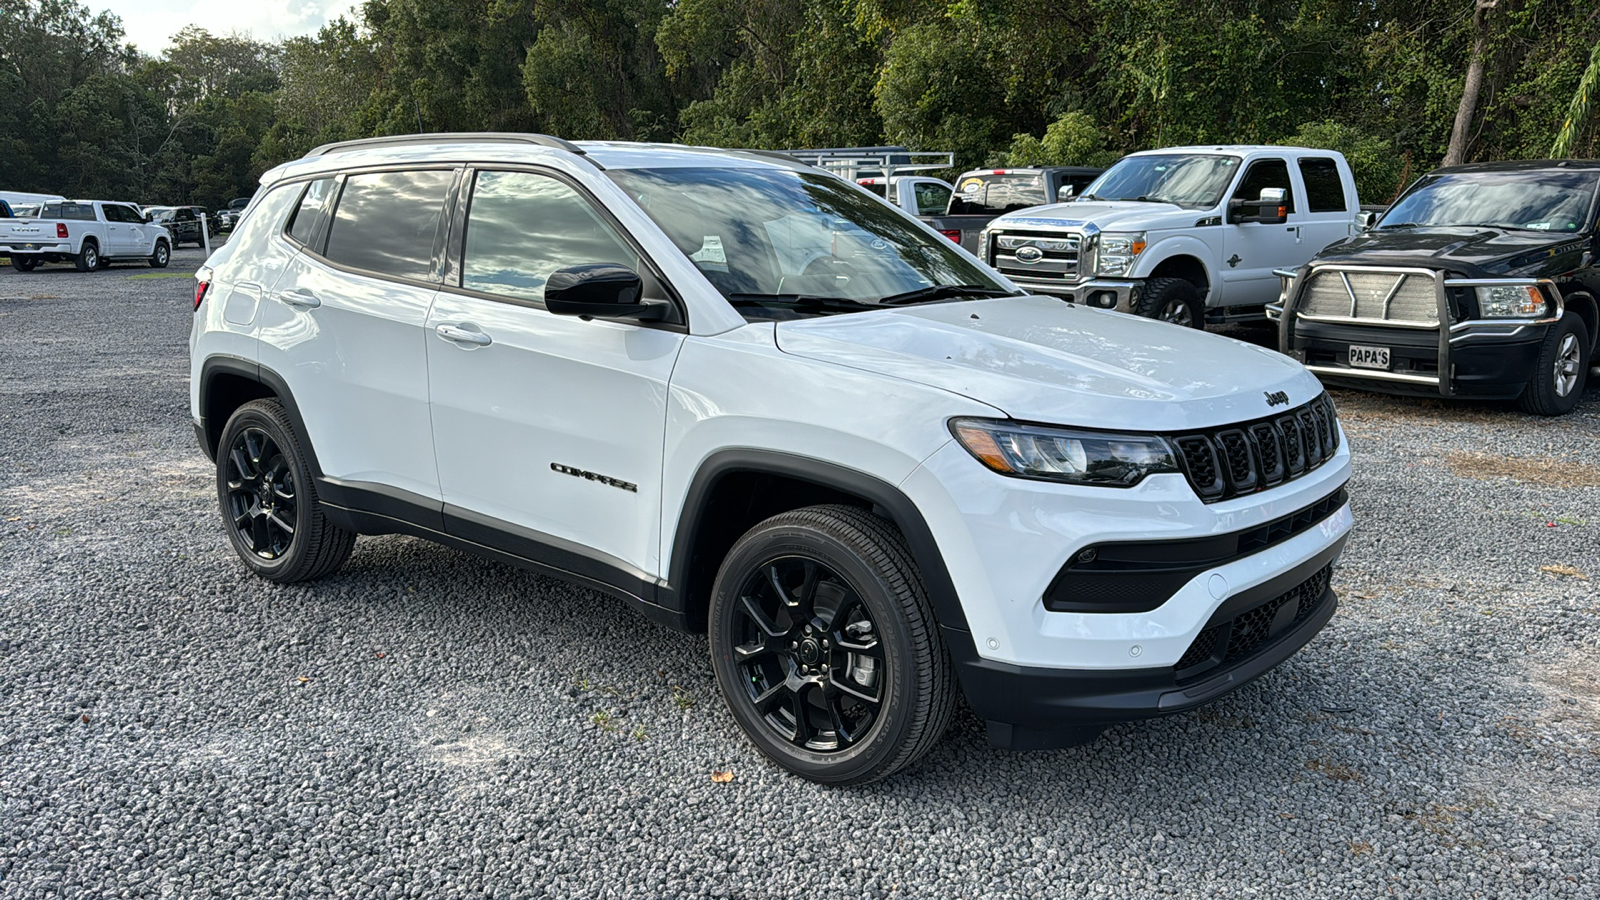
[446, 137]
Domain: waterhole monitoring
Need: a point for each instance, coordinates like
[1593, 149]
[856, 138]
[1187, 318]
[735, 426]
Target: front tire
[161, 256]
[1560, 369]
[88, 257]
[269, 501]
[1171, 300]
[826, 649]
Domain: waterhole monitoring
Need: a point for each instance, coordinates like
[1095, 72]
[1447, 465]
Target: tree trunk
[1457, 153]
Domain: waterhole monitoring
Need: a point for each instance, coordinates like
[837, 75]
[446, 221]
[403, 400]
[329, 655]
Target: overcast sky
[151, 23]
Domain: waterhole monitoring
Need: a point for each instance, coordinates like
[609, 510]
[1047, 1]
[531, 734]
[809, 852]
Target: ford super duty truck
[1480, 281]
[1186, 234]
[90, 233]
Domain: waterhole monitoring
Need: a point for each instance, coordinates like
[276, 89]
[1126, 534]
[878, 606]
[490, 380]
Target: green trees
[1017, 81]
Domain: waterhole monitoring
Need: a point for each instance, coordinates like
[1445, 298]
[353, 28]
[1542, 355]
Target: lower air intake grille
[1224, 643]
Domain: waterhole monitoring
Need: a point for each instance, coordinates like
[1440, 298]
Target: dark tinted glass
[311, 213]
[1324, 190]
[1525, 200]
[998, 194]
[386, 222]
[80, 211]
[1263, 174]
[521, 227]
[116, 213]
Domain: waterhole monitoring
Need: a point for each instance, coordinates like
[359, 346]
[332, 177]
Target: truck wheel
[162, 256]
[24, 265]
[1171, 300]
[1560, 369]
[825, 647]
[88, 257]
[269, 502]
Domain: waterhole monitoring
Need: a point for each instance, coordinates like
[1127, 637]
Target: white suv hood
[1039, 359]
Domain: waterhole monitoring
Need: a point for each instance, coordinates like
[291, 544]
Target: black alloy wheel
[808, 654]
[825, 646]
[261, 504]
[269, 501]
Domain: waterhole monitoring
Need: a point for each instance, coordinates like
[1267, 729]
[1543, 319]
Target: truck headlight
[1504, 301]
[1064, 454]
[1119, 251]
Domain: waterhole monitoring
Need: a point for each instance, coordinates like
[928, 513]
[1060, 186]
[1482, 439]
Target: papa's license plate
[1369, 357]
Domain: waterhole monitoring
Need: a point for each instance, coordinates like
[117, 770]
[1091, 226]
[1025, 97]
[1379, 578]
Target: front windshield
[780, 240]
[1198, 181]
[1523, 201]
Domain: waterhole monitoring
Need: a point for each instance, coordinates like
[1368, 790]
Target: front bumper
[1044, 677]
[1036, 708]
[1120, 295]
[1489, 362]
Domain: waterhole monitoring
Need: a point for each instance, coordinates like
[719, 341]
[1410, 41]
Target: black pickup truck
[1480, 281]
[985, 194]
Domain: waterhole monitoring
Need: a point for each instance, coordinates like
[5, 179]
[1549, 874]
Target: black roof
[1522, 165]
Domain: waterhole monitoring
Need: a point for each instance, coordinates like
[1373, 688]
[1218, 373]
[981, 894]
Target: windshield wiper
[809, 301]
[944, 292]
[1399, 225]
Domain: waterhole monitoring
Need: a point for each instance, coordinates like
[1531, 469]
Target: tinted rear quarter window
[312, 213]
[386, 222]
[1324, 190]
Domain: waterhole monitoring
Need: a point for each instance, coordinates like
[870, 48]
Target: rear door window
[522, 226]
[387, 222]
[1324, 189]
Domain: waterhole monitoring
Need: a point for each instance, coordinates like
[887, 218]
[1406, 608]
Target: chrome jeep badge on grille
[1277, 398]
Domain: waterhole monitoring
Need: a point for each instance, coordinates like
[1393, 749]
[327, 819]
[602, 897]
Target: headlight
[1064, 454]
[1502, 301]
[1119, 251]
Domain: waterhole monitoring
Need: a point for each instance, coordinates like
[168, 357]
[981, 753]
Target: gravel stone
[430, 724]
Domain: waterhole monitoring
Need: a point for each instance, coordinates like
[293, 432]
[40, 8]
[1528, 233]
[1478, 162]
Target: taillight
[953, 234]
[61, 229]
[200, 288]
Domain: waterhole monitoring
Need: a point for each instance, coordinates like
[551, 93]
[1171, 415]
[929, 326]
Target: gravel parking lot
[429, 724]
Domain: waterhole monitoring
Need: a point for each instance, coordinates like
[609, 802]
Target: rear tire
[24, 265]
[1171, 300]
[1560, 370]
[88, 257]
[161, 256]
[269, 500]
[826, 649]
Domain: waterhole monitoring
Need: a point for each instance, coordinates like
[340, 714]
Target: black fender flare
[211, 432]
[924, 549]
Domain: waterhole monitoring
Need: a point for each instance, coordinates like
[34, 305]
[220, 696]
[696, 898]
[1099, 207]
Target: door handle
[463, 336]
[301, 298]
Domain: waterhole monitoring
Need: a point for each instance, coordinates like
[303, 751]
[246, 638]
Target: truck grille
[1241, 459]
[1041, 256]
[1377, 295]
[1224, 644]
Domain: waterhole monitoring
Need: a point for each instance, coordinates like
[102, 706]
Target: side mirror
[1270, 209]
[599, 290]
[1065, 192]
[1365, 219]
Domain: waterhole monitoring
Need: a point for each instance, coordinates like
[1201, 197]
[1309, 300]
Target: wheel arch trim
[900, 508]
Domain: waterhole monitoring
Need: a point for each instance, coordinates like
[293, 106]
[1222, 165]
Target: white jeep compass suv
[750, 398]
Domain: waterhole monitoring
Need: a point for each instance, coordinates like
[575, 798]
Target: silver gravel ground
[430, 724]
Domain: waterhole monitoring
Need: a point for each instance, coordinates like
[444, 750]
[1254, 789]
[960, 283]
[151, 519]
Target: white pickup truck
[1185, 234]
[918, 195]
[90, 233]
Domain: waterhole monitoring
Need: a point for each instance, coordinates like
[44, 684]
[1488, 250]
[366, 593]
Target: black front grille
[1230, 641]
[1242, 459]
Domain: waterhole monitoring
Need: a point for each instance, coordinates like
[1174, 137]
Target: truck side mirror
[1365, 219]
[1271, 209]
[1065, 192]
